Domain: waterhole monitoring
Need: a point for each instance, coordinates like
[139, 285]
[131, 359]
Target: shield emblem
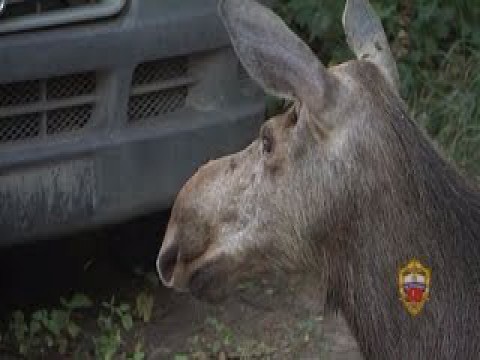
[414, 286]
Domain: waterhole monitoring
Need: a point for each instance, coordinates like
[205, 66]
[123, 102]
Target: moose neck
[423, 210]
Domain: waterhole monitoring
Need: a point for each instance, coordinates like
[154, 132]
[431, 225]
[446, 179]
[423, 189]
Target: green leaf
[144, 306]
[35, 327]
[18, 326]
[124, 307]
[40, 315]
[73, 329]
[79, 301]
[127, 321]
[57, 322]
[138, 354]
[181, 357]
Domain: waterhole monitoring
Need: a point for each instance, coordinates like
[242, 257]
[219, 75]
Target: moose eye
[267, 143]
[293, 118]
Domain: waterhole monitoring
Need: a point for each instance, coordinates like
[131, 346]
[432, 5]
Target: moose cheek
[275, 165]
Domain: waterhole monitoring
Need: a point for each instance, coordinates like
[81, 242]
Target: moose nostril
[166, 264]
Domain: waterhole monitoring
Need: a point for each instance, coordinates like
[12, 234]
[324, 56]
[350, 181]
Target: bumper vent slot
[40, 108]
[70, 86]
[68, 119]
[19, 93]
[159, 87]
[20, 127]
[17, 8]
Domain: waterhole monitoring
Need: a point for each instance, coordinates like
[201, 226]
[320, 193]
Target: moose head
[284, 199]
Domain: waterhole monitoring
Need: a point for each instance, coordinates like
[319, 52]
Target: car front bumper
[114, 169]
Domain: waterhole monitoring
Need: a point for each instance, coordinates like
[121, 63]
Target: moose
[343, 185]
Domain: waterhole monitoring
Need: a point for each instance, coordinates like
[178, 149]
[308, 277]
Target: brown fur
[343, 185]
[416, 206]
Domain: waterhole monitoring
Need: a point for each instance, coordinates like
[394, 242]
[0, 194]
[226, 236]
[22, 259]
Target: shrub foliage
[437, 47]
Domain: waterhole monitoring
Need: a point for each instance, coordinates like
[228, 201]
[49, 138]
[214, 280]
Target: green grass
[437, 47]
[446, 103]
[67, 332]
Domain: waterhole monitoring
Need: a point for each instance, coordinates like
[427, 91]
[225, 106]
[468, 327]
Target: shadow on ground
[272, 317]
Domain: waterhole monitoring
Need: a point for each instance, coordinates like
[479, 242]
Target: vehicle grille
[159, 87]
[39, 108]
[17, 8]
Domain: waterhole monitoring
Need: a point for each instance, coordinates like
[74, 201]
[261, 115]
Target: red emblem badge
[414, 286]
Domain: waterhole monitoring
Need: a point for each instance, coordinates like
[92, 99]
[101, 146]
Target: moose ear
[273, 55]
[367, 39]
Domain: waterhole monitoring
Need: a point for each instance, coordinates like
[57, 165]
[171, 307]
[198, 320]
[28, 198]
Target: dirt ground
[269, 318]
[274, 318]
